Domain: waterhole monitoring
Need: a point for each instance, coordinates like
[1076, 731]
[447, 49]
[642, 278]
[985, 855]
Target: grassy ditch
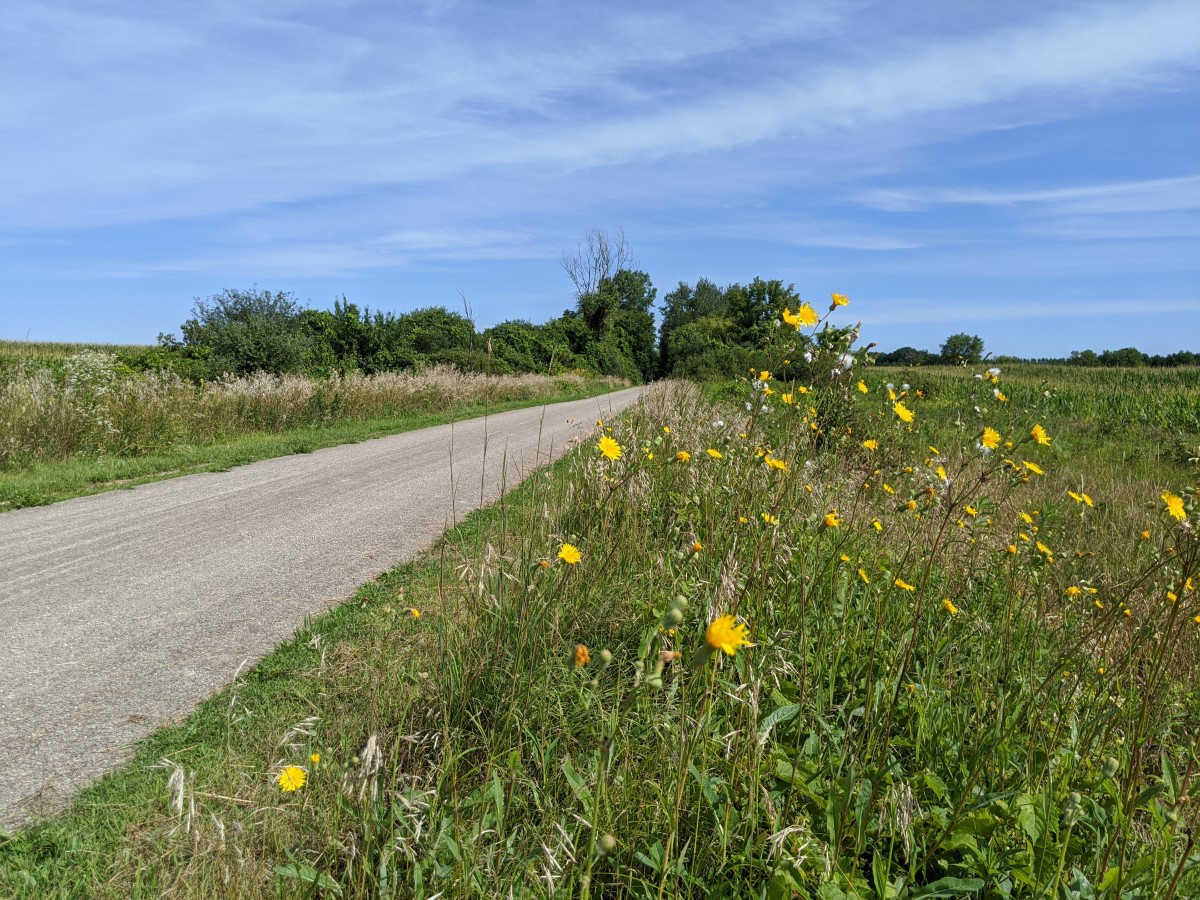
[92, 427]
[962, 661]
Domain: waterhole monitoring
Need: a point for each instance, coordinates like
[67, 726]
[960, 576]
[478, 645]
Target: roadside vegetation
[88, 423]
[827, 630]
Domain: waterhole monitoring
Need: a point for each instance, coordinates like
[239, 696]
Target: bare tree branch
[600, 257]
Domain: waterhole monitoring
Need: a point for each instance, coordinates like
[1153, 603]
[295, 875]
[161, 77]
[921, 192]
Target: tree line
[706, 331]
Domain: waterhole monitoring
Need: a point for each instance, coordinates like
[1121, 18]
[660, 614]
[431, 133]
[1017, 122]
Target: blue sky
[1026, 172]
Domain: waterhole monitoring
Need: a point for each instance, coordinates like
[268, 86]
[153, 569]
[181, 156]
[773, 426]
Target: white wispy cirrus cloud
[218, 109]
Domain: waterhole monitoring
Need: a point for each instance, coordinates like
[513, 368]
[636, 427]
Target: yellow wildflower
[902, 411]
[415, 613]
[840, 300]
[787, 399]
[776, 463]
[314, 758]
[582, 658]
[683, 456]
[990, 438]
[770, 519]
[1073, 591]
[291, 778]
[764, 375]
[970, 510]
[903, 585]
[1174, 505]
[715, 454]
[877, 525]
[697, 546]
[862, 387]
[1032, 467]
[1038, 433]
[862, 573]
[569, 554]
[871, 444]
[727, 634]
[949, 606]
[609, 448]
[831, 519]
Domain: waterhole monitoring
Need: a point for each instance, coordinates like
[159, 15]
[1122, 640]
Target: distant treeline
[707, 331]
[1127, 357]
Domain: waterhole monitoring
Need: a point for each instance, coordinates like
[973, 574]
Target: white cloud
[214, 110]
[1155, 195]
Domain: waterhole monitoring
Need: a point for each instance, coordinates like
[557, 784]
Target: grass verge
[49, 482]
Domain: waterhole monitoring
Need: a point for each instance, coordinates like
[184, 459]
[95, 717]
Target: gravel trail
[120, 612]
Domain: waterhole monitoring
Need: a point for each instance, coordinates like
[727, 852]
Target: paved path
[121, 611]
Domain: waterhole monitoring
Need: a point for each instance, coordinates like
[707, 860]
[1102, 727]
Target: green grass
[1019, 724]
[50, 482]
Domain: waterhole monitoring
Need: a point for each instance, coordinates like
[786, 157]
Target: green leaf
[947, 887]
[309, 875]
[783, 714]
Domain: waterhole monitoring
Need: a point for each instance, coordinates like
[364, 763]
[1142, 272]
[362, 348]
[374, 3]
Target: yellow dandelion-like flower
[291, 778]
[862, 573]
[609, 448]
[314, 758]
[777, 464]
[1042, 548]
[1038, 433]
[862, 387]
[414, 612]
[1026, 518]
[683, 456]
[949, 606]
[544, 563]
[877, 525]
[871, 444]
[840, 300]
[787, 399]
[910, 505]
[999, 395]
[1088, 501]
[697, 546]
[888, 488]
[582, 657]
[1174, 504]
[770, 519]
[802, 390]
[831, 520]
[1144, 536]
[791, 318]
[990, 438]
[727, 634]
[715, 454]
[1032, 467]
[903, 412]
[743, 520]
[1073, 591]
[903, 585]
[970, 510]
[1172, 596]
[1012, 548]
[764, 375]
[569, 554]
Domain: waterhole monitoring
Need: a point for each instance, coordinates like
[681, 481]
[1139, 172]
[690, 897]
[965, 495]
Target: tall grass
[91, 408]
[964, 681]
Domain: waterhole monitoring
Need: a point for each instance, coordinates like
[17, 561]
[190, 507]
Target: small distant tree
[1084, 358]
[1126, 357]
[962, 349]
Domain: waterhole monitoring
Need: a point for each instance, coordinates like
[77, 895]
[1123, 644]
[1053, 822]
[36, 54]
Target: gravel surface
[121, 611]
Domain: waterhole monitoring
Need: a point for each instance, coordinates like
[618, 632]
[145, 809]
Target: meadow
[881, 633]
[74, 419]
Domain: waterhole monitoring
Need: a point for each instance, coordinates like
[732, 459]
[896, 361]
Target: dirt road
[121, 611]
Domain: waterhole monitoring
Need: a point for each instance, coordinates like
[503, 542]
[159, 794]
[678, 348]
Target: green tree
[239, 332]
[962, 349]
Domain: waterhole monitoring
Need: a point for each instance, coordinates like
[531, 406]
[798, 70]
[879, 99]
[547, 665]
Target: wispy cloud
[1155, 195]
